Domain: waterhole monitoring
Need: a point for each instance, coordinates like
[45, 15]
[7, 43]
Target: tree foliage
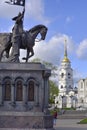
[53, 91]
[48, 65]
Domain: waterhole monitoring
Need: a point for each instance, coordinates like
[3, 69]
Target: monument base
[24, 95]
[22, 120]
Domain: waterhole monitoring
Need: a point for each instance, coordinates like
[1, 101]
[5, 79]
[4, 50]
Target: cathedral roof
[65, 59]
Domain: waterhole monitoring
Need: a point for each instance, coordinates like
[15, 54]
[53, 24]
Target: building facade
[22, 85]
[82, 93]
[67, 95]
[24, 95]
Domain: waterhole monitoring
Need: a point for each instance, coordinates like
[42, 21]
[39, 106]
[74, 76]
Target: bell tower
[65, 74]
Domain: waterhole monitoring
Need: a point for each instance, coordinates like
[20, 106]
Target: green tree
[48, 65]
[53, 91]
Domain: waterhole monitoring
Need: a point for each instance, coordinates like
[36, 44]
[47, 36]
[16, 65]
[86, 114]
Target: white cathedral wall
[85, 84]
[66, 101]
[69, 102]
[65, 80]
[82, 92]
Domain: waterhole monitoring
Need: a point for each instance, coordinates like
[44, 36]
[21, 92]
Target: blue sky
[64, 19]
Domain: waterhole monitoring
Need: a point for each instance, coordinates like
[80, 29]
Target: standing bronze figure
[20, 39]
[17, 31]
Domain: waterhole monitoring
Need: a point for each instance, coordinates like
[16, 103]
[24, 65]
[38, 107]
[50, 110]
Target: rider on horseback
[17, 31]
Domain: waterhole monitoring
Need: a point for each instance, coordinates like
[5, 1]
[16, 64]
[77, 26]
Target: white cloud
[77, 75]
[33, 9]
[53, 50]
[82, 50]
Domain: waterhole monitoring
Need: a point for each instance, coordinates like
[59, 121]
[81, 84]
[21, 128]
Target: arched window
[19, 91]
[31, 91]
[64, 101]
[81, 85]
[69, 75]
[61, 86]
[62, 75]
[7, 90]
[70, 87]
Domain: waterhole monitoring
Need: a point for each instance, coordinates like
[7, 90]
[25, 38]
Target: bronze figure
[17, 31]
[27, 41]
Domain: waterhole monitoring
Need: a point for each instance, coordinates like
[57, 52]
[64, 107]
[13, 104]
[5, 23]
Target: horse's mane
[37, 27]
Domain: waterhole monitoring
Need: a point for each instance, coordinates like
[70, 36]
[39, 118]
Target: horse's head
[33, 32]
[43, 32]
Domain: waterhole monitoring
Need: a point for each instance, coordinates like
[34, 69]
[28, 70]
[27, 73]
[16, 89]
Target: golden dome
[65, 59]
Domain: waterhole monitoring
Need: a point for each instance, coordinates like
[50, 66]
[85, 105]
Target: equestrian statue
[20, 39]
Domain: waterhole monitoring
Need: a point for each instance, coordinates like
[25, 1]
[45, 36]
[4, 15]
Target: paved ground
[62, 124]
[69, 124]
[69, 128]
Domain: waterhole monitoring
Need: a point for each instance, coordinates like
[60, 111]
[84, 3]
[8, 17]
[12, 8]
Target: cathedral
[67, 93]
[82, 93]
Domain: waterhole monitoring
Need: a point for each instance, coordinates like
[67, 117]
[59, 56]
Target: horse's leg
[27, 55]
[7, 53]
[30, 53]
[8, 50]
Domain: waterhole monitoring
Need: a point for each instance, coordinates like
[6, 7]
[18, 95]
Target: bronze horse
[27, 41]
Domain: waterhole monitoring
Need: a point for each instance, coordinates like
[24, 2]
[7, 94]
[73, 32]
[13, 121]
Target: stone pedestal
[25, 120]
[24, 96]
